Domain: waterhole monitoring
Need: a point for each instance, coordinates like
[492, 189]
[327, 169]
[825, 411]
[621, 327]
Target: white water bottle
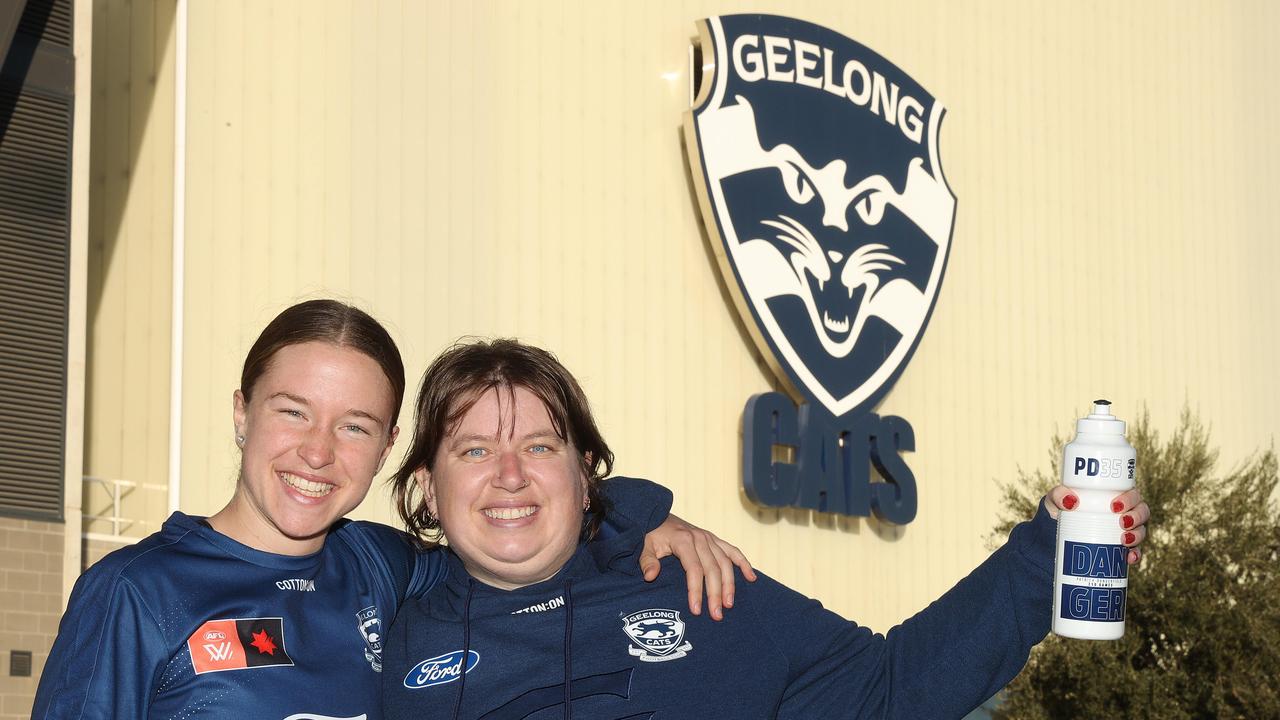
[1091, 575]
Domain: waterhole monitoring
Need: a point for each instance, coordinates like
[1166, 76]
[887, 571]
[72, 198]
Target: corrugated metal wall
[516, 168]
[37, 86]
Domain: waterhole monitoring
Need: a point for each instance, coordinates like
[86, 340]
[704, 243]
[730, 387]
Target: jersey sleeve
[942, 662]
[428, 569]
[107, 657]
[412, 570]
[637, 505]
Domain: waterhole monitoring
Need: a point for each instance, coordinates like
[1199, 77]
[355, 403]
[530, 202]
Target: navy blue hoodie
[596, 641]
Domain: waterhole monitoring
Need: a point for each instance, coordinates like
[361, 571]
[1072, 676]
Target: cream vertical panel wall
[516, 169]
[130, 232]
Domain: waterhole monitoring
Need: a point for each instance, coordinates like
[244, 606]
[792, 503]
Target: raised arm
[949, 657]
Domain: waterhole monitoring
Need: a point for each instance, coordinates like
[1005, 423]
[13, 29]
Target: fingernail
[1126, 521]
[1129, 538]
[1116, 506]
[1069, 502]
[728, 600]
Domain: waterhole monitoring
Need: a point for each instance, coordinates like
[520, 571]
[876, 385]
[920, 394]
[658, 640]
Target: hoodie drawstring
[466, 646]
[568, 651]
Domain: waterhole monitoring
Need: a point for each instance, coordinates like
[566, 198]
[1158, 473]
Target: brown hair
[331, 322]
[453, 384]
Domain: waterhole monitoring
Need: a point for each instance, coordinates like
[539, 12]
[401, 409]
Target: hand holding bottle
[1093, 548]
[1130, 509]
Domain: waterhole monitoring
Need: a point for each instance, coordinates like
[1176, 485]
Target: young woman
[534, 623]
[275, 606]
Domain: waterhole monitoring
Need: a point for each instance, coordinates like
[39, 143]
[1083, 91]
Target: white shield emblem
[656, 634]
[370, 626]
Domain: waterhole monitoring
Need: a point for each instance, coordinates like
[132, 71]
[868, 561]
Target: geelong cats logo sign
[816, 164]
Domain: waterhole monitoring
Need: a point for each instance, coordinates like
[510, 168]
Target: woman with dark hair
[533, 622]
[274, 607]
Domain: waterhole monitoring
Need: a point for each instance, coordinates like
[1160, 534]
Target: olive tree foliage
[1202, 633]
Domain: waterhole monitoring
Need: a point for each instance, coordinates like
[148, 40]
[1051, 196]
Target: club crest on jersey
[657, 635]
[817, 168]
[370, 626]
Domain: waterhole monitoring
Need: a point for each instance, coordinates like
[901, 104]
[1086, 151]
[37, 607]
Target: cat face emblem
[656, 634]
[816, 165]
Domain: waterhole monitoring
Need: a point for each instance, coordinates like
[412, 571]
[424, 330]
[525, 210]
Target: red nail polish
[1069, 502]
[1116, 506]
[1129, 538]
[1126, 521]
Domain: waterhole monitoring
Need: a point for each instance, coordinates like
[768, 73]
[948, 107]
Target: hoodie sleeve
[942, 662]
[636, 505]
[107, 656]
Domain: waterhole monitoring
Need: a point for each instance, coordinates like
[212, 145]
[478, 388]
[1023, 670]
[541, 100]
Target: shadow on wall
[20, 50]
[130, 224]
[130, 43]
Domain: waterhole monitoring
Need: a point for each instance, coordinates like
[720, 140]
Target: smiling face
[507, 490]
[315, 433]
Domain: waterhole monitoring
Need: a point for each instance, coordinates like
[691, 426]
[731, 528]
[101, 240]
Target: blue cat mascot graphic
[816, 164]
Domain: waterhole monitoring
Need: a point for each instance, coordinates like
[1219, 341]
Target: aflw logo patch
[816, 165]
[238, 644]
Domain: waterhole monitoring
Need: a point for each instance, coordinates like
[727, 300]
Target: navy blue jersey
[189, 623]
[612, 647]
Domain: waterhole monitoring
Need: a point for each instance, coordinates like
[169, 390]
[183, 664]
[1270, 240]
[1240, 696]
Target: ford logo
[440, 669]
